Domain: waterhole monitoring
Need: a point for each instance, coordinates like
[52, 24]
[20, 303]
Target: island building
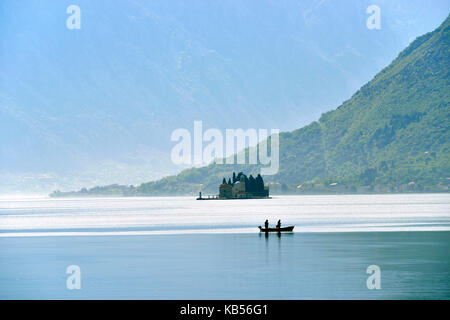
[241, 187]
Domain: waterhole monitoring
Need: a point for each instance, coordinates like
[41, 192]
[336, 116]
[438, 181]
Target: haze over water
[176, 247]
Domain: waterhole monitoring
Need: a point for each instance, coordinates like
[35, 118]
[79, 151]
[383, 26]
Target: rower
[279, 224]
[266, 224]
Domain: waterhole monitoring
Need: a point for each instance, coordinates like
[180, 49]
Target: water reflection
[277, 234]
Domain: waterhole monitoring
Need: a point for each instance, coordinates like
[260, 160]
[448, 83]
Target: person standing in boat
[266, 224]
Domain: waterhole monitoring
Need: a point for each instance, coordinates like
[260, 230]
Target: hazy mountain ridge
[392, 135]
[74, 101]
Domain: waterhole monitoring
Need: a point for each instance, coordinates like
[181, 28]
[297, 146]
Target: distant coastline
[116, 190]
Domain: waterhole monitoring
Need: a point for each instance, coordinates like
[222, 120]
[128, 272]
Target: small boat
[284, 229]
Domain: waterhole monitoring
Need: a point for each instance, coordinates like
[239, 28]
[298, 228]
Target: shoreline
[72, 196]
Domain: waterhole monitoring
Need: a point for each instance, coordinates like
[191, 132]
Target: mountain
[392, 135]
[98, 105]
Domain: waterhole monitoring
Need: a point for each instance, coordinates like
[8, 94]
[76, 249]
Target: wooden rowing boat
[284, 229]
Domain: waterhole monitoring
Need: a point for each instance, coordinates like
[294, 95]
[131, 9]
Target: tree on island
[252, 187]
[259, 183]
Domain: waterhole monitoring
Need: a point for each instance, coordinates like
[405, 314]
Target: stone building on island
[242, 187]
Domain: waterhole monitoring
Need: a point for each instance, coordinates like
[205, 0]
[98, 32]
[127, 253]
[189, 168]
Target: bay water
[180, 248]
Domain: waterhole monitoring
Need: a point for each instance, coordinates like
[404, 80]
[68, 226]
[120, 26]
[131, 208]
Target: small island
[240, 187]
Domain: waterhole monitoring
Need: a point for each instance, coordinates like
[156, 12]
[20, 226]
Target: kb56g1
[245, 309]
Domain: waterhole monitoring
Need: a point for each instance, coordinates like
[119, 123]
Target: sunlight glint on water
[134, 216]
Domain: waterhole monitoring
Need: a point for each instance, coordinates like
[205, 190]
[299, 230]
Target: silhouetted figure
[266, 224]
[279, 224]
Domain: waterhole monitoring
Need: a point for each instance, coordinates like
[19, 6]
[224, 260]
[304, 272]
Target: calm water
[179, 248]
